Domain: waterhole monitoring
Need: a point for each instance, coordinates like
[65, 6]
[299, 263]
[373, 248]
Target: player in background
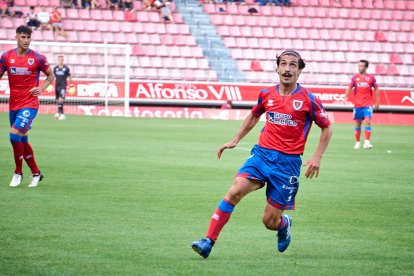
[23, 67]
[62, 73]
[363, 84]
[290, 110]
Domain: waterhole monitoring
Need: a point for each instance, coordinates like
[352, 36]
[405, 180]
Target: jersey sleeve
[318, 112]
[374, 83]
[259, 109]
[352, 83]
[3, 59]
[43, 64]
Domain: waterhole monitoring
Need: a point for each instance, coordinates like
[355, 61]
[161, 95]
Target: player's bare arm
[248, 124]
[377, 99]
[313, 164]
[347, 94]
[50, 77]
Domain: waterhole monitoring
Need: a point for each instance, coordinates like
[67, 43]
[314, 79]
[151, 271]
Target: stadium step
[209, 41]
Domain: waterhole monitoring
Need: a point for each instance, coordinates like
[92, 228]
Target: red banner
[186, 92]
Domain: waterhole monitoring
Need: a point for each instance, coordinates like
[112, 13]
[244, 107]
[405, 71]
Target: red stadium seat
[91, 27]
[395, 59]
[245, 31]
[228, 20]
[389, 4]
[255, 65]
[132, 38]
[72, 14]
[210, 8]
[392, 69]
[84, 37]
[137, 50]
[216, 19]
[381, 70]
[380, 37]
[167, 40]
[107, 15]
[183, 29]
[368, 4]
[84, 14]
[154, 17]
[302, 33]
[108, 37]
[334, 34]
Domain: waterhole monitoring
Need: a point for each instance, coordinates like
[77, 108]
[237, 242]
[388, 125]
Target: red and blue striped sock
[219, 219]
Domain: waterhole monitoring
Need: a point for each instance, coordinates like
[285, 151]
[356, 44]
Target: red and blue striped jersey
[288, 118]
[23, 73]
[363, 89]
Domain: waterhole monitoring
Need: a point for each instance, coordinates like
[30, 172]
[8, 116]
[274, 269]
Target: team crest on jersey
[367, 78]
[270, 103]
[30, 61]
[297, 104]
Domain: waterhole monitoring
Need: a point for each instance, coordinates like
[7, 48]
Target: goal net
[100, 74]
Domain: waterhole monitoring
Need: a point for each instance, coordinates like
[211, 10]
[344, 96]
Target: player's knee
[269, 223]
[234, 195]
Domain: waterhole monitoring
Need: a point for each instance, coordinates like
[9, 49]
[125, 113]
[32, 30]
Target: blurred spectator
[44, 18]
[282, 2]
[91, 4]
[127, 5]
[15, 13]
[56, 22]
[165, 11]
[67, 4]
[113, 4]
[31, 19]
[78, 3]
[149, 4]
[4, 11]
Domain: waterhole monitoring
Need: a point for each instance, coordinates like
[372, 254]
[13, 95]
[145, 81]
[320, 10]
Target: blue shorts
[279, 171]
[22, 119]
[360, 113]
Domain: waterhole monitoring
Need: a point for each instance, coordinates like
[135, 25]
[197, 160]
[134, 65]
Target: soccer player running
[23, 67]
[62, 73]
[363, 84]
[276, 160]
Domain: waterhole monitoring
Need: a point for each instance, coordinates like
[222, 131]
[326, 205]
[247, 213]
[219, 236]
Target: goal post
[101, 74]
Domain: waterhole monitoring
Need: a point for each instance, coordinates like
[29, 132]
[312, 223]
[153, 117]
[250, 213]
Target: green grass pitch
[125, 196]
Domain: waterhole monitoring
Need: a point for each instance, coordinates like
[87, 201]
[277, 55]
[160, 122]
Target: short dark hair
[23, 30]
[365, 61]
[302, 63]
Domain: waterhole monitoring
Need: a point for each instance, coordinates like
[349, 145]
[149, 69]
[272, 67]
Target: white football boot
[367, 145]
[16, 180]
[35, 180]
[62, 117]
[357, 145]
[57, 115]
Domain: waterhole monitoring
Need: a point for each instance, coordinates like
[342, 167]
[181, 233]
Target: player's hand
[312, 168]
[228, 145]
[376, 107]
[35, 91]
